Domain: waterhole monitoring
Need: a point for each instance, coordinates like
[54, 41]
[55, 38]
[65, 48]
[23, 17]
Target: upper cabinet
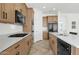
[7, 11]
[52, 19]
[7, 14]
[21, 7]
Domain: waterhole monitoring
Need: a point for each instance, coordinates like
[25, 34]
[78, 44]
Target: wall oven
[52, 27]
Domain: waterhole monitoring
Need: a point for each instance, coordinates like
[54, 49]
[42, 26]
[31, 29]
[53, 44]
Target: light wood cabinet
[74, 51]
[10, 13]
[7, 13]
[20, 48]
[53, 43]
[45, 25]
[45, 35]
[45, 21]
[52, 19]
[29, 19]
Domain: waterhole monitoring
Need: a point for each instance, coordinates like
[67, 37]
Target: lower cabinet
[53, 43]
[45, 35]
[60, 47]
[20, 48]
[74, 51]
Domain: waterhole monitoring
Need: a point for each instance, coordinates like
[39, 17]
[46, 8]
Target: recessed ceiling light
[54, 9]
[44, 7]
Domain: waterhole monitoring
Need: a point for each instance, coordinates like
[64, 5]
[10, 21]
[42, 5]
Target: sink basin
[62, 35]
[18, 35]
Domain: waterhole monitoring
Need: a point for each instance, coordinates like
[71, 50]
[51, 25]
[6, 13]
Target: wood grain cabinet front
[20, 48]
[7, 13]
[53, 43]
[52, 19]
[45, 35]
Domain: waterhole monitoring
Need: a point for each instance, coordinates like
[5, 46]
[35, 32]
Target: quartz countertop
[6, 41]
[73, 40]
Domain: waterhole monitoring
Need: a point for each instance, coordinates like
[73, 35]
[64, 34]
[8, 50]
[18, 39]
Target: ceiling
[47, 8]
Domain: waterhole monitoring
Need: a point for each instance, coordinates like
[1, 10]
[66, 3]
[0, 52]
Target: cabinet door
[25, 45]
[28, 22]
[45, 35]
[53, 43]
[7, 13]
[52, 19]
[10, 12]
[2, 12]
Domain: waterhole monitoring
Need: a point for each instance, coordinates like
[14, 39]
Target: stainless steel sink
[62, 35]
[18, 35]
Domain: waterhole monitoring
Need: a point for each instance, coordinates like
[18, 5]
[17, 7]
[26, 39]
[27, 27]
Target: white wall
[65, 22]
[38, 25]
[10, 28]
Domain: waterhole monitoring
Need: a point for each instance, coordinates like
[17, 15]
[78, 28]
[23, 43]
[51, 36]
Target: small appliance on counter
[73, 33]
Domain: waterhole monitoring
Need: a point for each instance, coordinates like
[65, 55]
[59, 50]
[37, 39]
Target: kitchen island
[72, 40]
[15, 45]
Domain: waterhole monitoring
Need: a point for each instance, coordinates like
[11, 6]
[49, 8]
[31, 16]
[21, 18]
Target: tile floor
[41, 48]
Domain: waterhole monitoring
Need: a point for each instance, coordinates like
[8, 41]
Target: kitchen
[25, 24]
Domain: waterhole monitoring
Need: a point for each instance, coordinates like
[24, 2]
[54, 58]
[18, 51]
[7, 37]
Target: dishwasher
[63, 48]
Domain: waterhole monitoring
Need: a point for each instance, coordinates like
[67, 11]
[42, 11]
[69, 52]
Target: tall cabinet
[29, 20]
[45, 26]
[46, 20]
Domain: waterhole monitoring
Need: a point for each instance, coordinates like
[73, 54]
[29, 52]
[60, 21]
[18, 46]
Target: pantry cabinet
[20, 48]
[29, 20]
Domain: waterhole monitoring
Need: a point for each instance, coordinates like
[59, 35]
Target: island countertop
[6, 41]
[73, 40]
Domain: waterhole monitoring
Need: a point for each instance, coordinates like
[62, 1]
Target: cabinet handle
[28, 43]
[17, 46]
[17, 53]
[53, 42]
[6, 15]
[3, 13]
